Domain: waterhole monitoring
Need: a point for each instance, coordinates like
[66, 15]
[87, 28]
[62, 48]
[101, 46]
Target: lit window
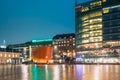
[5, 55]
[13, 55]
[68, 41]
[103, 0]
[9, 55]
[95, 4]
[64, 41]
[84, 9]
[73, 38]
[106, 11]
[85, 17]
[95, 14]
[1, 55]
[85, 41]
[96, 39]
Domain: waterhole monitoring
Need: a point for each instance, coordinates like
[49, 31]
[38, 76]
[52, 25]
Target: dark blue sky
[24, 20]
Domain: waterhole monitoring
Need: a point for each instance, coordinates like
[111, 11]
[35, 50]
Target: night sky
[24, 20]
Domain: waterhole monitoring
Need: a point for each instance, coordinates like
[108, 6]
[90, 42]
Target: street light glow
[55, 47]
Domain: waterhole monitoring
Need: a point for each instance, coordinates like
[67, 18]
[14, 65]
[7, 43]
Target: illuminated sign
[41, 40]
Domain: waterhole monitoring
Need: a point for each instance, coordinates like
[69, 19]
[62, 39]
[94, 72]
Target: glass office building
[97, 27]
[111, 23]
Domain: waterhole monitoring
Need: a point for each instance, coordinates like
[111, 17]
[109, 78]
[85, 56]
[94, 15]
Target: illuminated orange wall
[42, 54]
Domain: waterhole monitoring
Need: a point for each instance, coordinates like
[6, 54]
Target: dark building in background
[97, 29]
[22, 48]
[64, 46]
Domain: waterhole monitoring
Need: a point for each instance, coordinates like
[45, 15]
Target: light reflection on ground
[59, 72]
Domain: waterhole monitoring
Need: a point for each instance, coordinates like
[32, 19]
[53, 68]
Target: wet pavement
[60, 72]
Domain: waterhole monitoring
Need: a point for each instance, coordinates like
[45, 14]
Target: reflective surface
[60, 72]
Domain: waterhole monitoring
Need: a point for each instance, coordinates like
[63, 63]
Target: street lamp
[46, 59]
[55, 47]
[55, 51]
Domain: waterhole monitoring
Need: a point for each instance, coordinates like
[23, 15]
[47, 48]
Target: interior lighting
[106, 11]
[103, 0]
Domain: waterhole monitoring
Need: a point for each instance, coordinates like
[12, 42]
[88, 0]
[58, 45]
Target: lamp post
[4, 47]
[55, 51]
[46, 59]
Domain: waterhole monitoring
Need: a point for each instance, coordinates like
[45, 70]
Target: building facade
[97, 29]
[26, 48]
[42, 54]
[64, 46]
[111, 23]
[9, 58]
